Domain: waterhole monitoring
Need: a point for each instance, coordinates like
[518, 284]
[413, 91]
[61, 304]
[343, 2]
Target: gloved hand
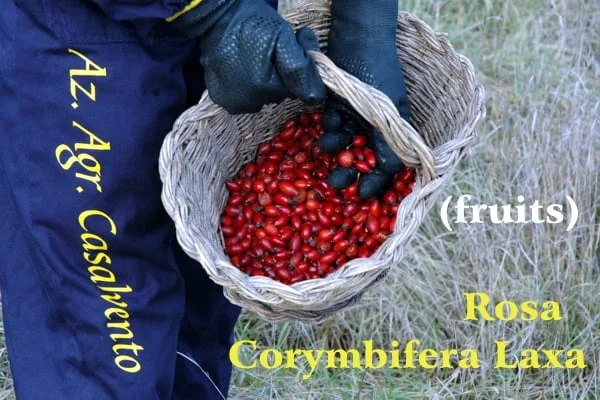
[251, 56]
[362, 41]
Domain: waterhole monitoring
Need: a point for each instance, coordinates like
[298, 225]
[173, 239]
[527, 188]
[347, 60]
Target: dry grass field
[540, 63]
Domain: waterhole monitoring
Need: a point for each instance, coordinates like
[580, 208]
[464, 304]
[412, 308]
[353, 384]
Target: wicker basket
[208, 146]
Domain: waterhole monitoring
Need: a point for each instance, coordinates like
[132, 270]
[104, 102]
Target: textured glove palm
[362, 41]
[251, 56]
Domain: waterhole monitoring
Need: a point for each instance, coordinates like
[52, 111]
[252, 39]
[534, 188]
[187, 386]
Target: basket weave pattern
[207, 146]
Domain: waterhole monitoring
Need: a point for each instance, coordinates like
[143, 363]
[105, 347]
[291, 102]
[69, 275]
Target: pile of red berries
[283, 220]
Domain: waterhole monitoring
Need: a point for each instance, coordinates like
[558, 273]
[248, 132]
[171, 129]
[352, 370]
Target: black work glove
[251, 56]
[362, 41]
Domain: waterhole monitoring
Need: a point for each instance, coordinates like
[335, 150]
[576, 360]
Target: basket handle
[377, 109]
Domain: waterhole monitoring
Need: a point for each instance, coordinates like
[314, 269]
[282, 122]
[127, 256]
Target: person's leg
[206, 334]
[92, 297]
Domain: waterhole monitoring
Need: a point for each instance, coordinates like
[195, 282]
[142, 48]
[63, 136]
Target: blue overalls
[99, 301]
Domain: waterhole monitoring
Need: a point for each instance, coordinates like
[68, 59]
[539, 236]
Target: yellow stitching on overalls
[191, 5]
